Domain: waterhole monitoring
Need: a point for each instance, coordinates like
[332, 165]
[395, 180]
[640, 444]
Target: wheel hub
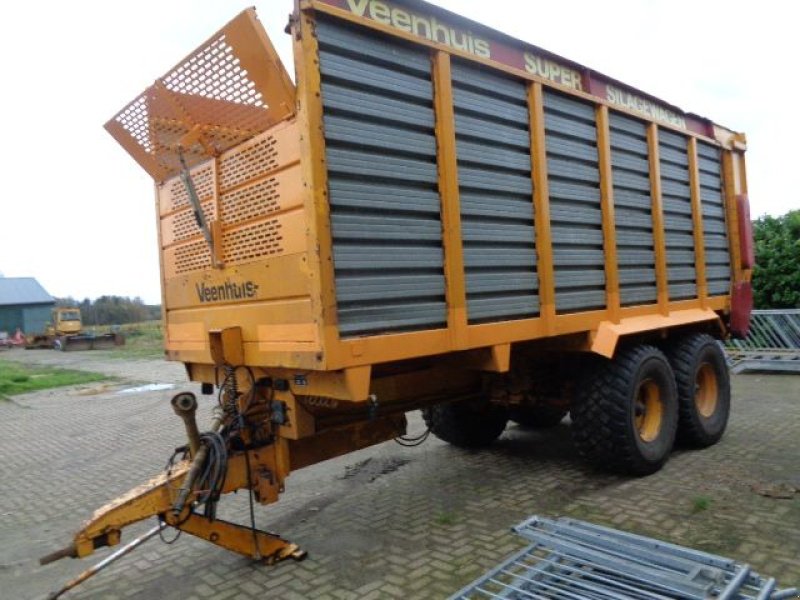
[648, 410]
[706, 390]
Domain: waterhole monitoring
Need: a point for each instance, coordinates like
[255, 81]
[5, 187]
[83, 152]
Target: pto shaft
[197, 464]
[185, 406]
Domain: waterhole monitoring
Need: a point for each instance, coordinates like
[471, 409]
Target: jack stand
[238, 538]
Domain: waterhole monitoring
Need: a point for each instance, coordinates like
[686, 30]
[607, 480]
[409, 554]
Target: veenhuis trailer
[432, 216]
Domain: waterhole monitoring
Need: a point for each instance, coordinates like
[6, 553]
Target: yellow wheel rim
[649, 410]
[706, 390]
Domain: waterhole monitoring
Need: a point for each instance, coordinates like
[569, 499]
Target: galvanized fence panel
[577, 560]
[773, 343]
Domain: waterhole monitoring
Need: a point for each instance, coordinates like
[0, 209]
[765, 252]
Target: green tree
[112, 310]
[776, 277]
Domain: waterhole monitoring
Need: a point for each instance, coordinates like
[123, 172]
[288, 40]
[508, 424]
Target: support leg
[239, 538]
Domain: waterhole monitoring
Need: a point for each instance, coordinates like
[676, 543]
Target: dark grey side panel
[576, 223]
[377, 97]
[633, 210]
[715, 233]
[494, 174]
[676, 200]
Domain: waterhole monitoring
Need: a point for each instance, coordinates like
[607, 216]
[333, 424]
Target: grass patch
[446, 518]
[16, 378]
[715, 538]
[700, 503]
[142, 340]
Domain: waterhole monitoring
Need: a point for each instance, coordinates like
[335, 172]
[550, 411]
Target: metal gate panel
[577, 560]
[773, 343]
[574, 185]
[633, 210]
[377, 97]
[676, 200]
[715, 235]
[496, 193]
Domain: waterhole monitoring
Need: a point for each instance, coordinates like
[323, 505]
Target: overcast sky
[77, 212]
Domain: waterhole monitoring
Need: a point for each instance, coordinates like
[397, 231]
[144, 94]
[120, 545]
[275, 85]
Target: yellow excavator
[65, 332]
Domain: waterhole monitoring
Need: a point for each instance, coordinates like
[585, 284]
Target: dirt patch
[370, 469]
[780, 490]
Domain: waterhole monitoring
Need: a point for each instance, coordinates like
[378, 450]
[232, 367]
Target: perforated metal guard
[252, 191]
[253, 241]
[251, 202]
[183, 225]
[203, 179]
[230, 89]
[238, 167]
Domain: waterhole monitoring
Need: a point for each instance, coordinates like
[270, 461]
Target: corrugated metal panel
[30, 318]
[494, 173]
[11, 317]
[574, 181]
[677, 205]
[633, 210]
[377, 97]
[715, 235]
[36, 318]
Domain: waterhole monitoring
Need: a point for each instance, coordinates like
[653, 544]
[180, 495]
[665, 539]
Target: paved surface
[384, 522]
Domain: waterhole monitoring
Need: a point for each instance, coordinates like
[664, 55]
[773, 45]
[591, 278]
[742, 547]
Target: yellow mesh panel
[227, 91]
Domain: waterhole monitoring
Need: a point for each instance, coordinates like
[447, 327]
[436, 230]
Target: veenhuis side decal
[226, 291]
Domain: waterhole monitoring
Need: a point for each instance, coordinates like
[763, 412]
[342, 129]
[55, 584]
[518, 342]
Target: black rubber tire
[687, 355]
[604, 412]
[537, 417]
[466, 424]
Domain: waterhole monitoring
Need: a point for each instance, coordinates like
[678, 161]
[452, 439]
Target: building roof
[23, 290]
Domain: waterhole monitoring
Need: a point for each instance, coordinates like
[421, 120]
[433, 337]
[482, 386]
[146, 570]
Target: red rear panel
[741, 307]
[748, 259]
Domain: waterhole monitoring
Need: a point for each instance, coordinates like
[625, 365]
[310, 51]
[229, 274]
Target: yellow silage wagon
[432, 216]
